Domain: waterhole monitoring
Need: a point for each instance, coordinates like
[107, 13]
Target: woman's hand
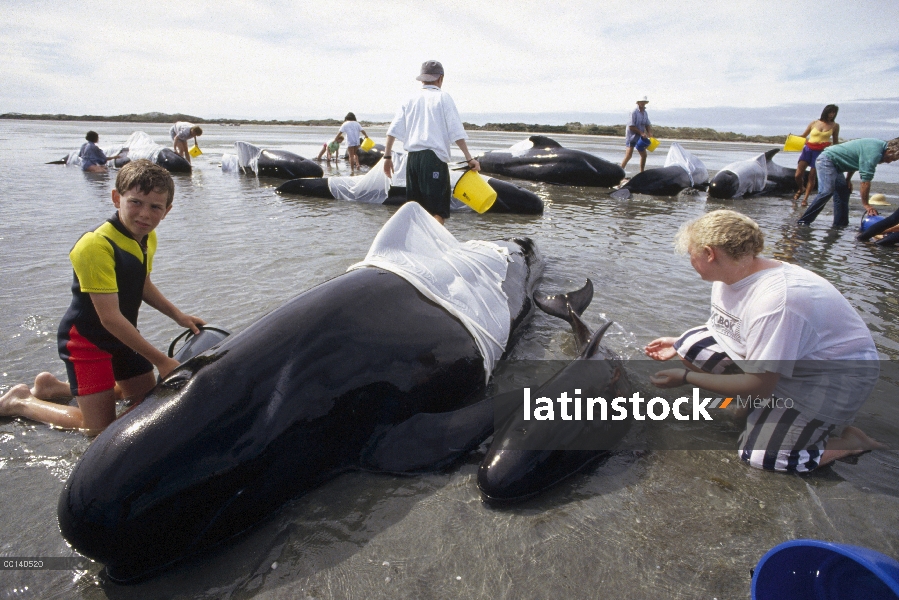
[661, 349]
[669, 378]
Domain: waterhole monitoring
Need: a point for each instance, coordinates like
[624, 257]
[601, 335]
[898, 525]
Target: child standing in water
[98, 340]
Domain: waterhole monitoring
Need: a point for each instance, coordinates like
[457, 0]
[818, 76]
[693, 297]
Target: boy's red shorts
[92, 370]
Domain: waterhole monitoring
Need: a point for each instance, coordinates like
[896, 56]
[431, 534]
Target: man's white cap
[643, 99]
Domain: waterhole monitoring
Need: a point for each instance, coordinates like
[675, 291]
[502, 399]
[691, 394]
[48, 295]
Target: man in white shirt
[426, 124]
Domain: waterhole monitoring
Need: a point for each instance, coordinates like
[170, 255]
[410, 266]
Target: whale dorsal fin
[593, 346]
[770, 154]
[541, 141]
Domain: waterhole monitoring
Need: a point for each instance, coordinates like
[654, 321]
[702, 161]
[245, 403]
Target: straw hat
[878, 200]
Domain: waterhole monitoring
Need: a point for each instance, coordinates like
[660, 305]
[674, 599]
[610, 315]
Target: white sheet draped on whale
[677, 155]
[464, 278]
[138, 145]
[374, 186]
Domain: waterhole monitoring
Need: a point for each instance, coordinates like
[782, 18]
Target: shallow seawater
[668, 524]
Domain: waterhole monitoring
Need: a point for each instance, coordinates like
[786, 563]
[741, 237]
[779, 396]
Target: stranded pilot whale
[527, 457]
[138, 145]
[274, 163]
[540, 158]
[366, 370]
[755, 176]
[682, 170]
[376, 188]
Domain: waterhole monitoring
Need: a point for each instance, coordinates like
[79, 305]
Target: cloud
[290, 60]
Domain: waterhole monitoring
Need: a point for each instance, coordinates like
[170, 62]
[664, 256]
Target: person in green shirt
[862, 155]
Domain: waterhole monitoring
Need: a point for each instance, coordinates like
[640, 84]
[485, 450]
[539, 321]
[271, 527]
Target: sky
[308, 60]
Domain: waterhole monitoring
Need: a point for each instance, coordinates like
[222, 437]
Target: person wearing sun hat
[637, 133]
[427, 124]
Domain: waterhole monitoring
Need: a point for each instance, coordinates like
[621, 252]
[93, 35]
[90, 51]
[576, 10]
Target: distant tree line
[671, 133]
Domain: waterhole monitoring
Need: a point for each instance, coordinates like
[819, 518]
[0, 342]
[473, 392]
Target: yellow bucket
[653, 144]
[367, 144]
[473, 190]
[195, 151]
[794, 143]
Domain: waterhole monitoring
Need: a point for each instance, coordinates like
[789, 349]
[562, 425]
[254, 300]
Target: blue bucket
[817, 570]
[868, 220]
[643, 144]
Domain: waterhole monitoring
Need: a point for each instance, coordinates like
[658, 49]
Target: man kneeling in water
[792, 334]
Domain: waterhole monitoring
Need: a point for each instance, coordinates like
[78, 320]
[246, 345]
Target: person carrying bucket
[637, 134]
[819, 134]
[353, 131]
[426, 124]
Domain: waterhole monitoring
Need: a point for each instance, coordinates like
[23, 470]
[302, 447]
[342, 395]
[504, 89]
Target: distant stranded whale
[682, 170]
[540, 158]
[275, 163]
[371, 369]
[376, 188]
[528, 456]
[755, 176]
[138, 145]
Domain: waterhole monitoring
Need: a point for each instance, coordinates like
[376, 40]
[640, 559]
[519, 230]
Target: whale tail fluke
[561, 305]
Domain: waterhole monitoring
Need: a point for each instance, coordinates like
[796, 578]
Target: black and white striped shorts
[782, 439]
[775, 439]
[698, 347]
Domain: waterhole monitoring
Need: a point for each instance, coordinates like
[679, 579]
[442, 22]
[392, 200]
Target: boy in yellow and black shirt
[98, 338]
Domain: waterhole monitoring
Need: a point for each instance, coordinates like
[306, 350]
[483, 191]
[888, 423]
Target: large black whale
[509, 197]
[360, 371]
[540, 158]
[682, 170]
[281, 164]
[527, 457]
[754, 176]
[138, 145]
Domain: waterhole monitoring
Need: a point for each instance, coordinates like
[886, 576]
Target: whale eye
[177, 380]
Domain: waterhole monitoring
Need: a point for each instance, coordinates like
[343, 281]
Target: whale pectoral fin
[621, 194]
[431, 440]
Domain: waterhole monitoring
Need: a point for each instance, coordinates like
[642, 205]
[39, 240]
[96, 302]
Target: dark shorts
[92, 370]
[428, 182]
[810, 156]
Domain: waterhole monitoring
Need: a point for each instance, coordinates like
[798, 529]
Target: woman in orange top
[819, 134]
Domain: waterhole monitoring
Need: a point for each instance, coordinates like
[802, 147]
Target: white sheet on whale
[753, 175]
[139, 145]
[373, 187]
[677, 155]
[248, 155]
[464, 278]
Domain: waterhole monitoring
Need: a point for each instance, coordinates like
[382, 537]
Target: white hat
[643, 99]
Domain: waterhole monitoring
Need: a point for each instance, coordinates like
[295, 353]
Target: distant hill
[158, 117]
[671, 133]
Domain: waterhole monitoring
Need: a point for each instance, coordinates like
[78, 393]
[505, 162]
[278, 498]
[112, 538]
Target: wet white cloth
[752, 174]
[464, 278]
[138, 145]
[229, 163]
[248, 155]
[374, 186]
[694, 167]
